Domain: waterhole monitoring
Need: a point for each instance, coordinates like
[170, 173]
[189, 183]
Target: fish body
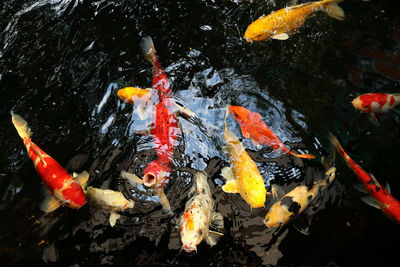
[252, 126]
[278, 24]
[64, 188]
[243, 176]
[296, 201]
[109, 200]
[376, 103]
[380, 197]
[199, 215]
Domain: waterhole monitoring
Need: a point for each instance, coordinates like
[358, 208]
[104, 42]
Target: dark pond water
[62, 61]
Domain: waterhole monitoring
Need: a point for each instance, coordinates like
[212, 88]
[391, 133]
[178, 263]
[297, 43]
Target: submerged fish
[278, 24]
[380, 197]
[376, 103]
[253, 127]
[243, 176]
[64, 188]
[296, 202]
[139, 97]
[109, 200]
[199, 215]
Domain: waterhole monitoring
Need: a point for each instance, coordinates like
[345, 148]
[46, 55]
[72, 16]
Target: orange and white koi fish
[376, 103]
[253, 127]
[139, 97]
[243, 176]
[380, 197]
[296, 202]
[199, 215]
[278, 24]
[109, 200]
[64, 188]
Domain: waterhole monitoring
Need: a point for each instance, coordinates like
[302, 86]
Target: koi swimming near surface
[64, 188]
[278, 24]
[379, 196]
[253, 127]
[199, 215]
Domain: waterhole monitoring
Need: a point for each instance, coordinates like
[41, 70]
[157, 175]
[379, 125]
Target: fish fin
[49, 204]
[164, 201]
[82, 178]
[280, 36]
[277, 192]
[230, 187]
[375, 119]
[303, 156]
[21, 125]
[148, 50]
[301, 225]
[333, 10]
[256, 143]
[370, 201]
[388, 187]
[361, 188]
[217, 221]
[132, 178]
[212, 238]
[143, 111]
[227, 173]
[245, 133]
[185, 112]
[113, 218]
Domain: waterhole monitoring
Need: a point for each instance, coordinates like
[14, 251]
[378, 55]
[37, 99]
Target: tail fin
[21, 125]
[333, 10]
[303, 156]
[336, 144]
[148, 49]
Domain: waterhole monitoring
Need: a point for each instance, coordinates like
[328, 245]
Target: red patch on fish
[368, 99]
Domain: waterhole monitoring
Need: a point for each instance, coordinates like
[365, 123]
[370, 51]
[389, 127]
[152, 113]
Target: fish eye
[200, 232]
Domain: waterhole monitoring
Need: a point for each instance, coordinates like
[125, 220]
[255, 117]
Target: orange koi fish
[64, 188]
[380, 197]
[278, 24]
[376, 103]
[199, 215]
[253, 127]
[138, 96]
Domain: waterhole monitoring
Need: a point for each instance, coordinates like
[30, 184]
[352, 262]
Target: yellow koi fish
[278, 24]
[296, 202]
[199, 215]
[243, 176]
[109, 200]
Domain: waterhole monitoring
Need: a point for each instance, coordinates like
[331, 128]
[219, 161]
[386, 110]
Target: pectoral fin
[370, 201]
[230, 187]
[301, 225]
[49, 204]
[277, 192]
[212, 238]
[280, 36]
[132, 178]
[245, 133]
[376, 121]
[360, 188]
[217, 221]
[113, 218]
[227, 174]
[82, 178]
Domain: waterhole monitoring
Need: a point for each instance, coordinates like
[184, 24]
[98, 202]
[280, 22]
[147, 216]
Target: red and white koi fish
[380, 197]
[199, 215]
[64, 188]
[164, 129]
[253, 127]
[376, 103]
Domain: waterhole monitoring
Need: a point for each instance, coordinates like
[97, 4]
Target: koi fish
[296, 202]
[199, 215]
[243, 176]
[164, 128]
[253, 127]
[278, 24]
[376, 103]
[110, 200]
[138, 96]
[379, 197]
[64, 188]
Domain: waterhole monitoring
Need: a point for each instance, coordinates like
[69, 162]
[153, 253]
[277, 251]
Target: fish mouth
[149, 179]
[189, 248]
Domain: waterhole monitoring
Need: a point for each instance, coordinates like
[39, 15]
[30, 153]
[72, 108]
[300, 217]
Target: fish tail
[226, 117]
[303, 156]
[338, 147]
[331, 8]
[21, 125]
[148, 49]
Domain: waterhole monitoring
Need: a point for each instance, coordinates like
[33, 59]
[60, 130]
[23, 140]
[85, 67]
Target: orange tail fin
[303, 156]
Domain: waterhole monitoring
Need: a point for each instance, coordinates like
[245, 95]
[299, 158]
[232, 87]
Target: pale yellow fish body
[247, 181]
[279, 23]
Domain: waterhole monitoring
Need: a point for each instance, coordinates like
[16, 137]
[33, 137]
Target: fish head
[257, 31]
[156, 173]
[193, 229]
[239, 113]
[278, 215]
[358, 104]
[134, 95]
